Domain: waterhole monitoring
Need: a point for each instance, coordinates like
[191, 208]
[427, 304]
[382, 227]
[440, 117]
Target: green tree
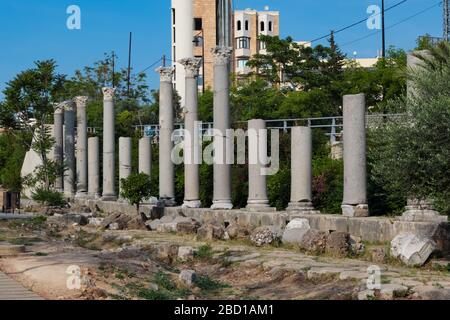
[136, 188]
[28, 107]
[411, 154]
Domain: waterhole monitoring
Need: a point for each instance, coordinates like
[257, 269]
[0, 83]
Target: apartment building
[200, 17]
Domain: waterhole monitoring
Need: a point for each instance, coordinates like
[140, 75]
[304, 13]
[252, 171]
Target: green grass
[163, 281]
[24, 241]
[41, 254]
[204, 253]
[207, 284]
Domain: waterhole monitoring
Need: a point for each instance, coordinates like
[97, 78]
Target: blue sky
[36, 29]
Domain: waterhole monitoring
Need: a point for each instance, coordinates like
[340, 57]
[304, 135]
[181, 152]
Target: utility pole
[129, 65]
[446, 6]
[113, 68]
[383, 33]
[164, 60]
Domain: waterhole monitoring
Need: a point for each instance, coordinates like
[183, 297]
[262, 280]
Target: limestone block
[295, 231]
[412, 249]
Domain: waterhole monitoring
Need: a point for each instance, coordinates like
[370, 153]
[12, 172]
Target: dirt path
[145, 265]
[12, 290]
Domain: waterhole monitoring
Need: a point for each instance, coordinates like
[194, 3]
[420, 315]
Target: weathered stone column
[109, 147]
[355, 179]
[69, 149]
[222, 170]
[301, 171]
[124, 160]
[145, 155]
[257, 150]
[191, 140]
[166, 119]
[93, 168]
[58, 133]
[82, 142]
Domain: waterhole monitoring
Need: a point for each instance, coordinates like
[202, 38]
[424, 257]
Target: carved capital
[68, 105]
[58, 107]
[165, 73]
[108, 93]
[222, 55]
[191, 66]
[81, 101]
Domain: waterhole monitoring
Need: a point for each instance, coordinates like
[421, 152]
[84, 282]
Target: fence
[332, 126]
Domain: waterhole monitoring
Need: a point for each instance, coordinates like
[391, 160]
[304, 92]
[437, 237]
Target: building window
[261, 45]
[262, 26]
[246, 25]
[174, 35]
[173, 17]
[270, 26]
[242, 63]
[239, 25]
[198, 24]
[243, 43]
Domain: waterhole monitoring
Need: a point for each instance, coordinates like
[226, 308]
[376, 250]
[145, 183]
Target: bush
[328, 184]
[49, 198]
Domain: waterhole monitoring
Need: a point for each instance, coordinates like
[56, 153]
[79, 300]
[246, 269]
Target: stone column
[69, 149]
[109, 164]
[58, 133]
[166, 119]
[355, 179]
[257, 150]
[222, 170]
[145, 156]
[82, 141]
[124, 160]
[301, 171]
[191, 140]
[93, 168]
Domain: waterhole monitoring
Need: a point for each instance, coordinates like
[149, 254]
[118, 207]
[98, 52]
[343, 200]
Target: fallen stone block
[96, 222]
[295, 231]
[314, 241]
[338, 244]
[153, 225]
[188, 277]
[390, 291]
[411, 249]
[366, 295]
[210, 232]
[68, 219]
[431, 293]
[266, 235]
[167, 227]
[236, 231]
[185, 253]
[188, 226]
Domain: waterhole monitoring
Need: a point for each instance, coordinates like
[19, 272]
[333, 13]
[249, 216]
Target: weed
[204, 253]
[24, 241]
[207, 284]
[163, 281]
[41, 254]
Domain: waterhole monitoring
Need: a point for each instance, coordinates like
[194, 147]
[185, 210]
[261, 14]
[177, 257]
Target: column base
[222, 205]
[259, 206]
[192, 204]
[416, 214]
[168, 202]
[81, 195]
[355, 210]
[302, 208]
[109, 198]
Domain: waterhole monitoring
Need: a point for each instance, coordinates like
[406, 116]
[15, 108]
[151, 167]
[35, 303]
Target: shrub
[49, 197]
[328, 184]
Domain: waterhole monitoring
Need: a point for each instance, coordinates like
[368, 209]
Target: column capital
[165, 73]
[108, 93]
[81, 101]
[58, 107]
[221, 55]
[191, 65]
[68, 105]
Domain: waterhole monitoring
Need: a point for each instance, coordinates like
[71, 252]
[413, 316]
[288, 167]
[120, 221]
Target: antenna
[129, 65]
[446, 6]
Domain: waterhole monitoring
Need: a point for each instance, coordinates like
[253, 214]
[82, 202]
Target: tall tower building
[182, 41]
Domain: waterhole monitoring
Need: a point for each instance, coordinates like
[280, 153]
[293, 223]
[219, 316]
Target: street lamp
[196, 41]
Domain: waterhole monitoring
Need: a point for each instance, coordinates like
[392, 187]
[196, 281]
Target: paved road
[12, 290]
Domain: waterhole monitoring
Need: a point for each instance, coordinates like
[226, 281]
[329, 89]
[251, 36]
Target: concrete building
[247, 26]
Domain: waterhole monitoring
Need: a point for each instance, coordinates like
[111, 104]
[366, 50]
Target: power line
[357, 23]
[394, 25]
[151, 66]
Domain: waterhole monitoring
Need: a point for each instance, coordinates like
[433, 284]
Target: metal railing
[332, 126]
